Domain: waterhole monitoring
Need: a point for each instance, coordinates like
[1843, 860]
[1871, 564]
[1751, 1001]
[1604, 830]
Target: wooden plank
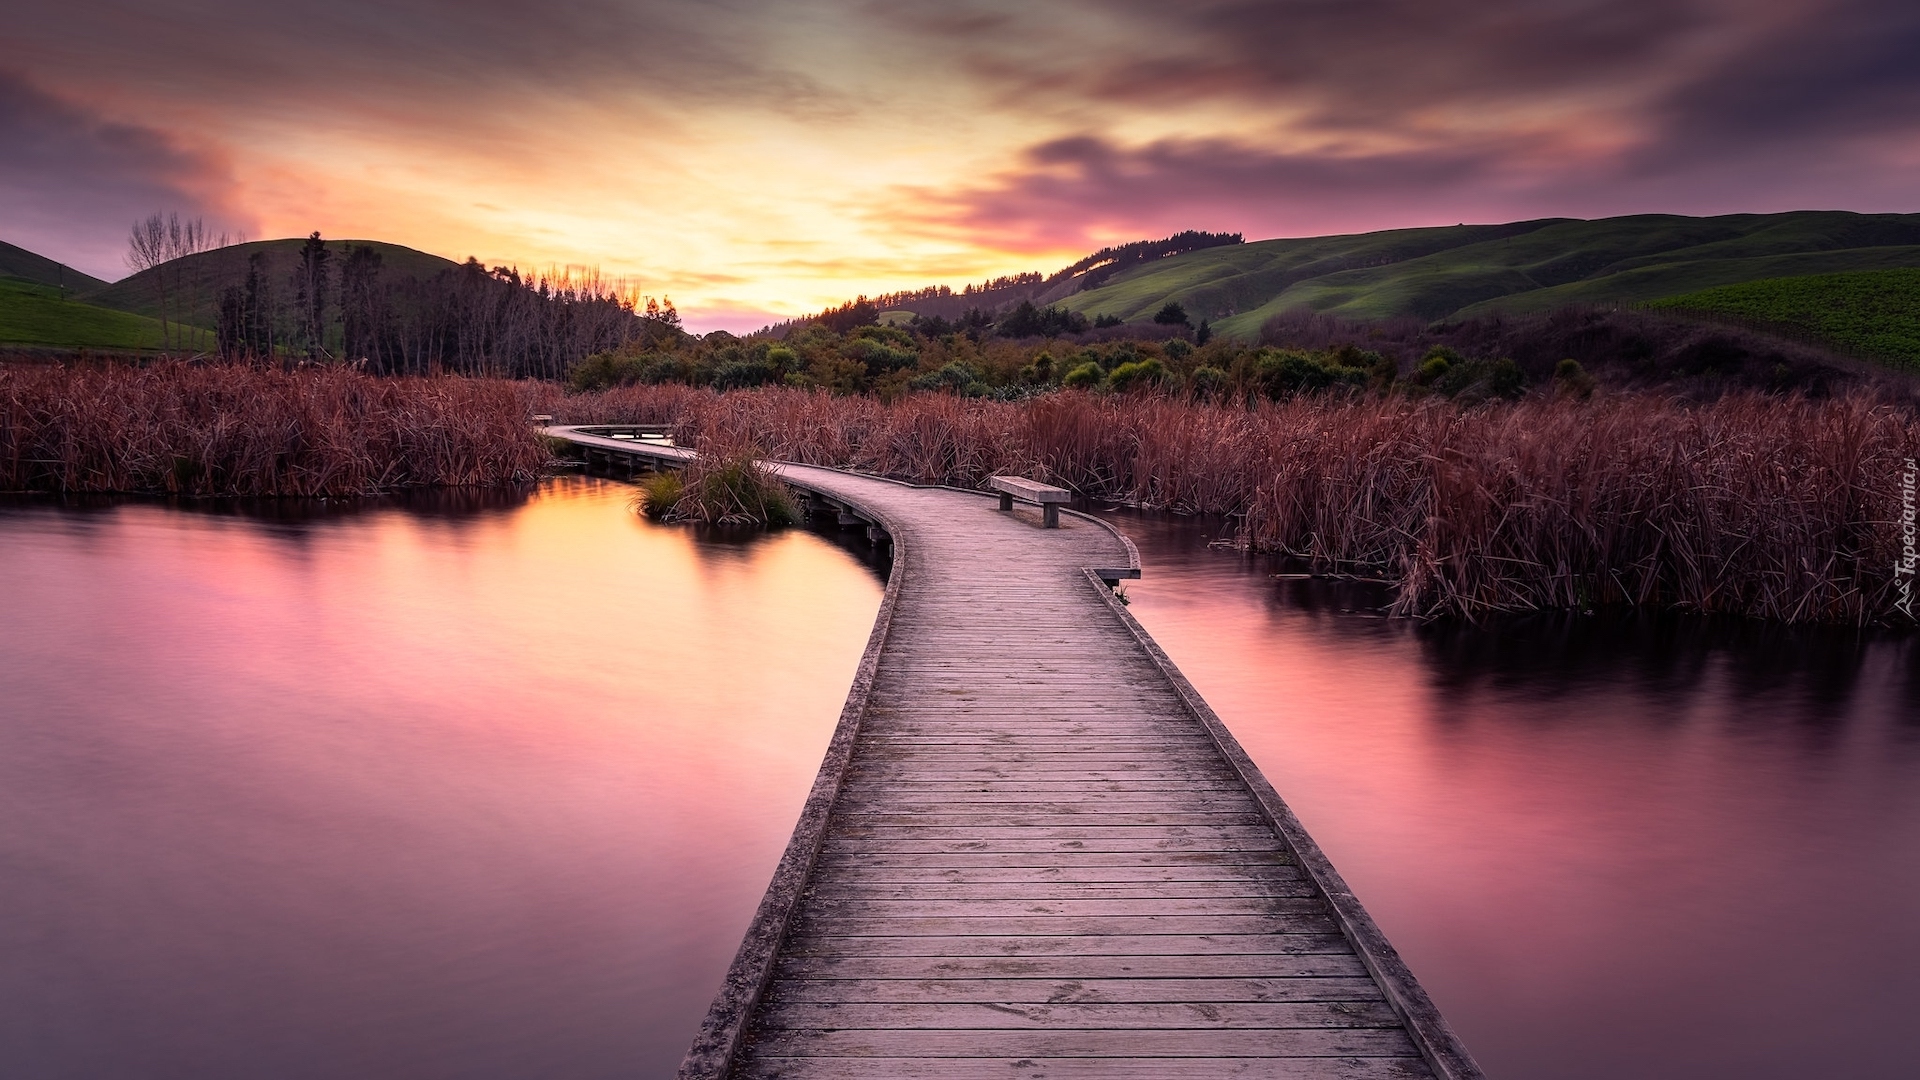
[1014, 991]
[868, 908]
[1129, 945]
[1143, 841]
[824, 923]
[783, 1014]
[1107, 1043]
[1031, 1067]
[1249, 887]
[1337, 963]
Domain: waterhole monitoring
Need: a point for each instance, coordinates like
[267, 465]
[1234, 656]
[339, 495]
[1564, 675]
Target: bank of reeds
[241, 430]
[1770, 506]
[725, 484]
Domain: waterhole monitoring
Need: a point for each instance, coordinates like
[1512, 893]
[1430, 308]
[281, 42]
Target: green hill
[1870, 312]
[1525, 266]
[194, 283]
[35, 314]
[18, 262]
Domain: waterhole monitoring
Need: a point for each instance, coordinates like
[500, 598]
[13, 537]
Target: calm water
[475, 793]
[1607, 847]
[490, 788]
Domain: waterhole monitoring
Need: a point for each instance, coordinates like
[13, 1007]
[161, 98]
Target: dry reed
[1769, 506]
[238, 430]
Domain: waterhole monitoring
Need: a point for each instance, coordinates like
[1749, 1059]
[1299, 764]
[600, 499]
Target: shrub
[881, 357]
[954, 377]
[1087, 376]
[741, 374]
[1282, 373]
[1208, 383]
[1431, 370]
[1138, 374]
[1040, 372]
[1569, 378]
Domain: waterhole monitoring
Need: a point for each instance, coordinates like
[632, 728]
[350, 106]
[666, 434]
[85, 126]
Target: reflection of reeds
[1777, 507]
[242, 430]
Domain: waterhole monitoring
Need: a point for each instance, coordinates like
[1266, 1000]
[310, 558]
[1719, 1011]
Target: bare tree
[155, 244]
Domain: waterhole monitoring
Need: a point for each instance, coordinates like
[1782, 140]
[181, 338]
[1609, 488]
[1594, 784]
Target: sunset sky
[757, 160]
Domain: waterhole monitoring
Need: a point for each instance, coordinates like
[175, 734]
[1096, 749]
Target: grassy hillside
[1872, 312]
[18, 262]
[197, 280]
[1525, 266]
[34, 314]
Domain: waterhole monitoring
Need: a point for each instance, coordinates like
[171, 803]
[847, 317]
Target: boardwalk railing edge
[1437, 1043]
[711, 1055]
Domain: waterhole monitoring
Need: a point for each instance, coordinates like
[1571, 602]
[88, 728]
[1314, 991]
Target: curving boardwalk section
[1033, 851]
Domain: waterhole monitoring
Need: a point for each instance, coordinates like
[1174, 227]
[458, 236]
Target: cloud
[1384, 113]
[72, 181]
[1837, 73]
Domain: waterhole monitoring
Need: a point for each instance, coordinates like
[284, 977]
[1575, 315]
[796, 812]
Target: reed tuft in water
[720, 486]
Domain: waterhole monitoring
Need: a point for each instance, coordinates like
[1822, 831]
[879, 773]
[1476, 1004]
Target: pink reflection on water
[396, 794]
[1605, 855]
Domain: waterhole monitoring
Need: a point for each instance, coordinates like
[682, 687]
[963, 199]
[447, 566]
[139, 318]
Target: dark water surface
[453, 790]
[489, 787]
[1608, 847]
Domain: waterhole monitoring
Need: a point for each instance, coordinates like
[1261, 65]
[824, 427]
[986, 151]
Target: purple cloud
[72, 182]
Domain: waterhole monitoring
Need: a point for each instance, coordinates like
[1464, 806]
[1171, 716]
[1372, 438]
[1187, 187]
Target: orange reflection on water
[394, 792]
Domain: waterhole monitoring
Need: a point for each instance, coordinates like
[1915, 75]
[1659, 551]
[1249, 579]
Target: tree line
[345, 306]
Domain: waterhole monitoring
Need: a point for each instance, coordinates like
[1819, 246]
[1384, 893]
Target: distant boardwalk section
[1033, 851]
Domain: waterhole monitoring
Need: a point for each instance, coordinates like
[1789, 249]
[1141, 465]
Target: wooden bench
[1048, 496]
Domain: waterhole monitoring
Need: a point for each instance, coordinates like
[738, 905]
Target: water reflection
[1619, 845]
[469, 786]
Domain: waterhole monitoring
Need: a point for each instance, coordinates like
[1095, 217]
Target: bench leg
[1050, 516]
[1006, 501]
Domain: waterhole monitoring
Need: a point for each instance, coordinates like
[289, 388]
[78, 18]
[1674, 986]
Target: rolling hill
[37, 315]
[1869, 312]
[1525, 266]
[197, 280]
[18, 262]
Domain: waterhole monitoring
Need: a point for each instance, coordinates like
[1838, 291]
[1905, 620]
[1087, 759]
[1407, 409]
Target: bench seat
[1046, 495]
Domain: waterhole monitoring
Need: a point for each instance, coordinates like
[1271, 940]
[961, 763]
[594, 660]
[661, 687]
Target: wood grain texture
[1034, 852]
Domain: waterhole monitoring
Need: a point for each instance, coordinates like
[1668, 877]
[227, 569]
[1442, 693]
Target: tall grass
[240, 430]
[1772, 506]
[1769, 506]
[723, 485]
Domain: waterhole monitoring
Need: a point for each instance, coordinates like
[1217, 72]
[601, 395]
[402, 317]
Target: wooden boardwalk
[1033, 851]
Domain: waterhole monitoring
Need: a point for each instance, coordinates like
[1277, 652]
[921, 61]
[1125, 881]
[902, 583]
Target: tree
[362, 306]
[310, 292]
[1172, 315]
[156, 244]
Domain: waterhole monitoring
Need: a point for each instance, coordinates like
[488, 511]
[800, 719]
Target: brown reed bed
[1776, 507]
[241, 430]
